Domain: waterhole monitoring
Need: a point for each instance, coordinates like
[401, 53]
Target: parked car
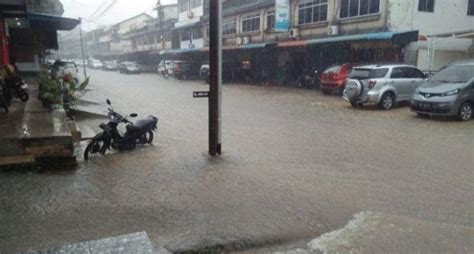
[62, 68]
[79, 62]
[204, 72]
[164, 67]
[95, 64]
[129, 68]
[184, 69]
[334, 78]
[450, 92]
[382, 85]
[110, 66]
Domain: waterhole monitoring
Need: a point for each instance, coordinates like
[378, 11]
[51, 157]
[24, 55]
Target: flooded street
[296, 164]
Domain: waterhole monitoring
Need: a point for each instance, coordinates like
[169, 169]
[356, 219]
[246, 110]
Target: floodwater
[296, 164]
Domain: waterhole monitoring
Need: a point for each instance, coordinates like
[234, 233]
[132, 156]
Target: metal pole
[82, 48]
[215, 62]
[160, 18]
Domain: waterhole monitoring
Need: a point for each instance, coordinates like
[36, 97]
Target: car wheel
[357, 104]
[325, 91]
[387, 102]
[465, 112]
[422, 115]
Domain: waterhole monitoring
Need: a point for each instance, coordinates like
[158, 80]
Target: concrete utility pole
[215, 63]
[82, 48]
[159, 9]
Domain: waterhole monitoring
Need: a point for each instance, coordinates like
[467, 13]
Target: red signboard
[4, 53]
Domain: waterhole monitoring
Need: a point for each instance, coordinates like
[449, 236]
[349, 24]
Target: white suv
[382, 85]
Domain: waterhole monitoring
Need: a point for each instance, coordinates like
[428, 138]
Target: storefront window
[251, 23]
[197, 33]
[229, 27]
[312, 11]
[195, 3]
[183, 6]
[271, 19]
[426, 5]
[185, 35]
[355, 8]
[470, 8]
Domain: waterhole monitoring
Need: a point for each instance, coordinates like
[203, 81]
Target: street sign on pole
[282, 16]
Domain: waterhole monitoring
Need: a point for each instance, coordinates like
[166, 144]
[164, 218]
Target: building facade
[321, 33]
[446, 27]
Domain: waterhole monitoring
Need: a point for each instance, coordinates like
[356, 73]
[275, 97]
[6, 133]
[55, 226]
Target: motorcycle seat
[142, 124]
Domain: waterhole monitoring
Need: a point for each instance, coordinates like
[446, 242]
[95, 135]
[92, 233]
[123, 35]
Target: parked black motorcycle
[21, 90]
[10, 88]
[138, 133]
[5, 97]
[309, 79]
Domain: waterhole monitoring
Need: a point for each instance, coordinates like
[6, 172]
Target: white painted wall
[184, 20]
[170, 12]
[135, 23]
[449, 16]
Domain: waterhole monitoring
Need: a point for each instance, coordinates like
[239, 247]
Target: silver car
[382, 85]
[450, 92]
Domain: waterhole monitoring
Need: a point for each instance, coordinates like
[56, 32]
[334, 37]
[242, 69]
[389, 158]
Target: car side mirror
[109, 103]
[134, 115]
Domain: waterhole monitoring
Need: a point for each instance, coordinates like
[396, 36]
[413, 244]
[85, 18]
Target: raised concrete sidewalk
[31, 134]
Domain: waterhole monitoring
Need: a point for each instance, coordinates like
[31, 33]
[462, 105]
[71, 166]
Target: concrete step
[17, 160]
[132, 243]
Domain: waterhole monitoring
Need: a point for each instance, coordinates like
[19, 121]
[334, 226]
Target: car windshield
[454, 74]
[333, 69]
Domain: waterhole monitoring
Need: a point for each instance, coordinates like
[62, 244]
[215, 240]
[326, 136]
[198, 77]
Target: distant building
[446, 30]
[189, 29]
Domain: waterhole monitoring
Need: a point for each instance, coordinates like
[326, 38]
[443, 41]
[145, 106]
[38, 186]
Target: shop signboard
[282, 16]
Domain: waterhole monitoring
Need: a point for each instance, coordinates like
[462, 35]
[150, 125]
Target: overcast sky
[119, 11]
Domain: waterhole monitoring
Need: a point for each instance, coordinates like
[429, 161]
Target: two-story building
[156, 34]
[446, 29]
[188, 30]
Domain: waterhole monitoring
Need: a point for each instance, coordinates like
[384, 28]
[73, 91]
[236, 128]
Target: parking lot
[296, 164]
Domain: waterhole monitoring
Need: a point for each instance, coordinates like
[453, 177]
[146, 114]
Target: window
[398, 73]
[271, 20]
[414, 73]
[195, 3]
[426, 5]
[197, 33]
[251, 23]
[183, 6]
[355, 8]
[229, 27]
[185, 35]
[470, 8]
[312, 11]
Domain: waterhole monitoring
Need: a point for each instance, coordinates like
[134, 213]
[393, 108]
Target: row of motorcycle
[11, 86]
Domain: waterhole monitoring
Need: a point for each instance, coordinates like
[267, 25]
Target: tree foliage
[53, 7]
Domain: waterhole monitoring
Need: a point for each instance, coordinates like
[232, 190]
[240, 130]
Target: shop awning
[245, 46]
[57, 22]
[178, 51]
[396, 37]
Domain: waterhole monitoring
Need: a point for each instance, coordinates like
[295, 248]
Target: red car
[334, 78]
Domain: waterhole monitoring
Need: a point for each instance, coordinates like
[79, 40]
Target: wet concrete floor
[296, 164]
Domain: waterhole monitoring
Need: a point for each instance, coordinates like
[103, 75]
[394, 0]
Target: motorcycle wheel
[94, 147]
[24, 97]
[147, 138]
[4, 104]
